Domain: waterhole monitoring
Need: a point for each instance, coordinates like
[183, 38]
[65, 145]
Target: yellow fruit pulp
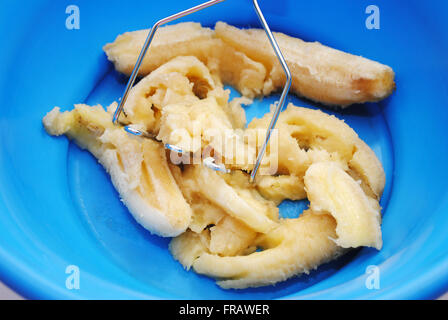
[224, 226]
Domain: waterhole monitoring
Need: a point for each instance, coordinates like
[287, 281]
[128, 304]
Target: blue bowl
[57, 205]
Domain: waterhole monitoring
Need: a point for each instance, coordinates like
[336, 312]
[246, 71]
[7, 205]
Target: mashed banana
[223, 225]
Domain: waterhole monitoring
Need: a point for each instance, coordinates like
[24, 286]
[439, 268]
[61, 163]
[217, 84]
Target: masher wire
[142, 54]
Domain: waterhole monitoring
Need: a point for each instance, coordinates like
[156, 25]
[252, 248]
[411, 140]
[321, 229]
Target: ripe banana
[138, 168]
[308, 136]
[244, 59]
[188, 39]
[294, 247]
[239, 202]
[331, 190]
[319, 73]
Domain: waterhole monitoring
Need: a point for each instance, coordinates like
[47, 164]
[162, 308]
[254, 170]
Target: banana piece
[183, 105]
[183, 39]
[340, 216]
[181, 80]
[188, 39]
[137, 167]
[240, 203]
[225, 234]
[294, 247]
[244, 59]
[230, 237]
[281, 187]
[187, 247]
[319, 73]
[308, 136]
[369, 167]
[204, 124]
[308, 129]
[205, 214]
[331, 190]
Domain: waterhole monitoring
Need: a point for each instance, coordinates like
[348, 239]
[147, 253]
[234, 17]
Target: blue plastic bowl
[58, 207]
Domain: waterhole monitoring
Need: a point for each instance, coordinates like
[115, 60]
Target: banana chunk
[319, 73]
[187, 247]
[227, 238]
[369, 167]
[308, 136]
[181, 80]
[138, 168]
[331, 190]
[237, 201]
[244, 59]
[188, 39]
[294, 247]
[183, 105]
[279, 188]
[230, 237]
[183, 39]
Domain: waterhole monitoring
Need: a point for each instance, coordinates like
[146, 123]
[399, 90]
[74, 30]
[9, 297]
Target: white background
[8, 294]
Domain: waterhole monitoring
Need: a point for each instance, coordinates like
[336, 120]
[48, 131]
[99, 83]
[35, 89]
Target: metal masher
[278, 108]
